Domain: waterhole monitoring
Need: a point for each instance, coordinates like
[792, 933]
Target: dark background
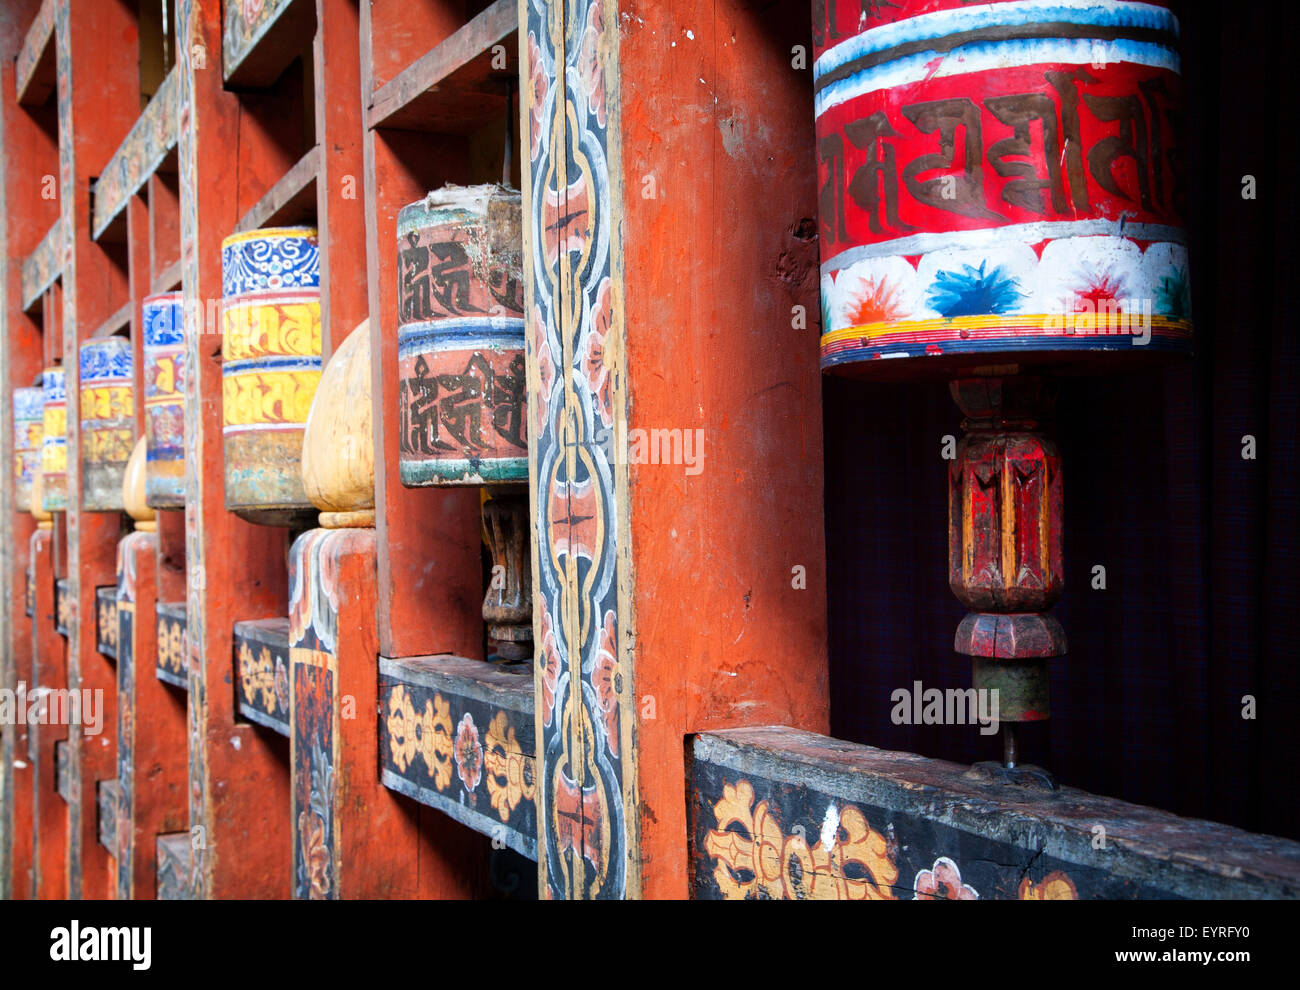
[1199, 545]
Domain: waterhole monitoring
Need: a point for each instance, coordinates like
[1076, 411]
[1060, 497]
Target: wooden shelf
[464, 691]
[261, 657]
[253, 55]
[290, 201]
[120, 319]
[42, 266]
[173, 655]
[151, 141]
[453, 87]
[172, 856]
[35, 71]
[167, 279]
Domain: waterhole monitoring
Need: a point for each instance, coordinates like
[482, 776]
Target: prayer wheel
[461, 376]
[29, 430]
[271, 352]
[460, 339]
[54, 442]
[1002, 195]
[164, 400]
[107, 411]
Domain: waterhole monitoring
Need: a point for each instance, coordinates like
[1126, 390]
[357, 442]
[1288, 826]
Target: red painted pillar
[238, 775]
[49, 814]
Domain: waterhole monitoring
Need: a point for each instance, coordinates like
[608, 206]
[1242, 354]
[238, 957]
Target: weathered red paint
[429, 566]
[103, 42]
[713, 344]
[50, 669]
[244, 576]
[29, 154]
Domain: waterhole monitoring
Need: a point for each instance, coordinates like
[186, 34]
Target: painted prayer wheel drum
[54, 442]
[460, 341]
[999, 184]
[271, 349]
[29, 430]
[164, 400]
[107, 421]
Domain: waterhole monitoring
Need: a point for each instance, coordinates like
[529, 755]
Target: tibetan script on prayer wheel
[461, 338]
[999, 182]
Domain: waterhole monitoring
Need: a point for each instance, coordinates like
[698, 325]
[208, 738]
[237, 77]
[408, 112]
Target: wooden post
[24, 149]
[658, 313]
[340, 184]
[418, 612]
[238, 774]
[50, 670]
[98, 99]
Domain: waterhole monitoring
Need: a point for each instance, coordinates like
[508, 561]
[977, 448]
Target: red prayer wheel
[1002, 197]
[999, 182]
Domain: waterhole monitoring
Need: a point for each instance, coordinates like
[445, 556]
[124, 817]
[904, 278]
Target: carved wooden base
[508, 604]
[1004, 542]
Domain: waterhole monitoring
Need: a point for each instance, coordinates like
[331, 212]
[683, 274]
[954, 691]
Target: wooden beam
[35, 69]
[25, 147]
[236, 570]
[150, 141]
[454, 86]
[500, 704]
[340, 186]
[151, 730]
[262, 672]
[291, 200]
[168, 279]
[49, 670]
[898, 816]
[257, 48]
[96, 108]
[43, 266]
[116, 322]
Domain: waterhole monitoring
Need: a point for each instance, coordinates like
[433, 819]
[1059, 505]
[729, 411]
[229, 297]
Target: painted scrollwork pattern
[315, 831]
[446, 743]
[257, 674]
[509, 772]
[756, 859]
[106, 620]
[426, 735]
[779, 837]
[172, 651]
[583, 679]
